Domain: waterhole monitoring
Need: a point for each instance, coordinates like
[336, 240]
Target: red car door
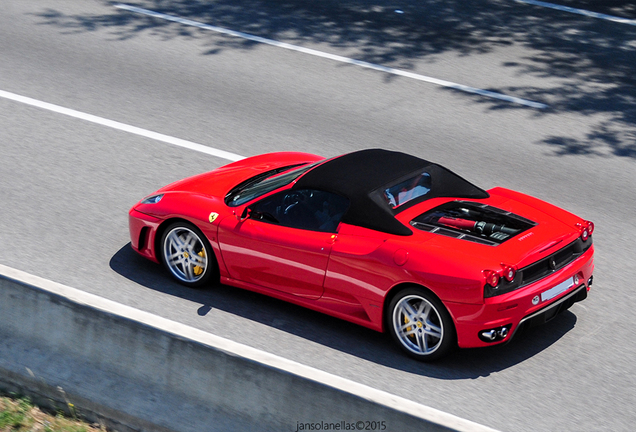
[277, 257]
[284, 240]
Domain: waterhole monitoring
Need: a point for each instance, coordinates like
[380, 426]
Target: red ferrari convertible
[379, 238]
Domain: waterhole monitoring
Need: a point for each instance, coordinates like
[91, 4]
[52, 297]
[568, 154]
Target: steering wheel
[291, 198]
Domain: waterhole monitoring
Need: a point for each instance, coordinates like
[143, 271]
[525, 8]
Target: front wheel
[186, 253]
[420, 324]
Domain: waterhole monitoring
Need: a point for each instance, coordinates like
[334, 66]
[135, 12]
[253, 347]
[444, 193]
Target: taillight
[492, 278]
[509, 273]
[586, 228]
[500, 281]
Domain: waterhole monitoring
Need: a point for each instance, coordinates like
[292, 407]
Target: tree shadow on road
[338, 334]
[582, 65]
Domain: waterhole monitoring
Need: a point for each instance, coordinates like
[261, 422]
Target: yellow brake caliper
[408, 329]
[198, 269]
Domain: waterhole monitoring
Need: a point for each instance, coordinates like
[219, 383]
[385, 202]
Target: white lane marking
[334, 57]
[579, 11]
[397, 403]
[121, 126]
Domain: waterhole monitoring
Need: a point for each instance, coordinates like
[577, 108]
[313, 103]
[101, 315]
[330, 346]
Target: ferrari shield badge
[213, 216]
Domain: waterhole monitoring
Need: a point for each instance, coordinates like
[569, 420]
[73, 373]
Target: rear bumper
[546, 314]
[528, 306]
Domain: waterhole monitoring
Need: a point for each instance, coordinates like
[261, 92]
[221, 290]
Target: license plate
[555, 291]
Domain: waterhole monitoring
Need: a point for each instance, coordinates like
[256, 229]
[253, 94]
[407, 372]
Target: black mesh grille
[554, 262]
[452, 233]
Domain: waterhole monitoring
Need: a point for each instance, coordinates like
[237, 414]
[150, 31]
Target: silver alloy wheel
[418, 325]
[185, 254]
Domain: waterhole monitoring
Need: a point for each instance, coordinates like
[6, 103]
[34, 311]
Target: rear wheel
[186, 253]
[421, 325]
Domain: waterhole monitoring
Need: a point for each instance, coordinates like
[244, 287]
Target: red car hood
[219, 181]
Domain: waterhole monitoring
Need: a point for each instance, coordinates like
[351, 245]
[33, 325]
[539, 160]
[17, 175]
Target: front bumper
[142, 229]
[531, 305]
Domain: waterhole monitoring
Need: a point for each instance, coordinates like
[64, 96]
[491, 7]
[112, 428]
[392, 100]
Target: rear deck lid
[503, 233]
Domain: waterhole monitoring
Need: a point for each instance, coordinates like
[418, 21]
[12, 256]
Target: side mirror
[246, 214]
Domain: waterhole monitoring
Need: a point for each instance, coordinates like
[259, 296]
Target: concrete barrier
[133, 370]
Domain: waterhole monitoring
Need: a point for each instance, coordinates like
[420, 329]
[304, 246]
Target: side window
[304, 209]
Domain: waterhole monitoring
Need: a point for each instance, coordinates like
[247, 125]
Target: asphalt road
[66, 184]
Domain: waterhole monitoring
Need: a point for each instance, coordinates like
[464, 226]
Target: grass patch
[20, 415]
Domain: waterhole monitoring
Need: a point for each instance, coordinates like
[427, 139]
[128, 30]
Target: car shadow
[338, 334]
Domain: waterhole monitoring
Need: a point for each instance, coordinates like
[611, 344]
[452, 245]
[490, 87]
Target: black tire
[187, 255]
[432, 334]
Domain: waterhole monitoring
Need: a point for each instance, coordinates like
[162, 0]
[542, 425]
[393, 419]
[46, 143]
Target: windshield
[407, 190]
[264, 183]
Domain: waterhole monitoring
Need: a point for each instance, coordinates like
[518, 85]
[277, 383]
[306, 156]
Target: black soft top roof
[363, 176]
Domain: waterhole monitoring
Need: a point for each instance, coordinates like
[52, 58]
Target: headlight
[152, 199]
